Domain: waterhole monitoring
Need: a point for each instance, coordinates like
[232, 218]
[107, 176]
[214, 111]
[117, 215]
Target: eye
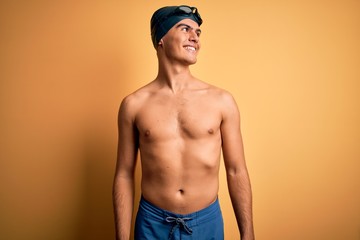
[185, 29]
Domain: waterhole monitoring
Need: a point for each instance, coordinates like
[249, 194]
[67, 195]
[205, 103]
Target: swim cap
[165, 18]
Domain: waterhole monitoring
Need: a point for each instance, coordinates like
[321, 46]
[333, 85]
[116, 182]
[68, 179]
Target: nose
[193, 36]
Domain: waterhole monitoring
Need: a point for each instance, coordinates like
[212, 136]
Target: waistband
[158, 214]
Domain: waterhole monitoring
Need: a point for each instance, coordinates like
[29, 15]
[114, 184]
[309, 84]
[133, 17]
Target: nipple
[147, 133]
[211, 131]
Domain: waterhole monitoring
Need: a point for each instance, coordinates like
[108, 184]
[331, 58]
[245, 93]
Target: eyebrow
[198, 30]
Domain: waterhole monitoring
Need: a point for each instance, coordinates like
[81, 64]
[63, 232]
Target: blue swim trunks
[153, 223]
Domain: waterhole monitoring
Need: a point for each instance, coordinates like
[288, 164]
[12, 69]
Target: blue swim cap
[165, 18]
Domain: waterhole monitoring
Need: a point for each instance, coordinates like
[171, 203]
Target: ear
[161, 42]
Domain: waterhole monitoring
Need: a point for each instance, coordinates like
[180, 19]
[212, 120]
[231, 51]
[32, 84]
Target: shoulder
[131, 103]
[224, 101]
[217, 95]
[222, 96]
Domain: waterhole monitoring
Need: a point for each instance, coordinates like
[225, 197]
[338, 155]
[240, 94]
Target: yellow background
[293, 67]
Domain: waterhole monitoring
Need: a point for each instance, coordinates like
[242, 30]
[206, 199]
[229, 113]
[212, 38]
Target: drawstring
[179, 221]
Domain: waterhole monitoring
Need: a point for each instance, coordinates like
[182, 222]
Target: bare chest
[165, 119]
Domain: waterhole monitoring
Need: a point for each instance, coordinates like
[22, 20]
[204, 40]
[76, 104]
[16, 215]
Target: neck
[174, 75]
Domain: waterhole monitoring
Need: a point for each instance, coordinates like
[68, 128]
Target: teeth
[190, 48]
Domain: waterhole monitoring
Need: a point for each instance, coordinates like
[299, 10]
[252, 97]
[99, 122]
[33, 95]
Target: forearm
[241, 198]
[123, 200]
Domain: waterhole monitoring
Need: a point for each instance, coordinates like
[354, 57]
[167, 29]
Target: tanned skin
[180, 125]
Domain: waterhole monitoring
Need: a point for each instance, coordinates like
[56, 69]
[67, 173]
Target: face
[181, 43]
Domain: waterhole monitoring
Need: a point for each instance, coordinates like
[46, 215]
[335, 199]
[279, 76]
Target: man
[180, 125]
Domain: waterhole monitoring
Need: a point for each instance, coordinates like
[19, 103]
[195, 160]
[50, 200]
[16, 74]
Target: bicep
[127, 141]
[232, 144]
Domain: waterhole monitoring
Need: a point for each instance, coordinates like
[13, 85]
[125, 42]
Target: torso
[180, 146]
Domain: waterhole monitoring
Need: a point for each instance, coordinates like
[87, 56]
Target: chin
[192, 61]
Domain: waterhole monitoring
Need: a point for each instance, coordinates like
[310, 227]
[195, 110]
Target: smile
[190, 48]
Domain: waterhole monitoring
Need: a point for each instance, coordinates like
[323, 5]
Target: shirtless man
[180, 125]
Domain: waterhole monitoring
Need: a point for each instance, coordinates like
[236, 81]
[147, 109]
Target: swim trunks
[155, 223]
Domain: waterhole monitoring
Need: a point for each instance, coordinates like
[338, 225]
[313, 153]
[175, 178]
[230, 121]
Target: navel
[181, 191]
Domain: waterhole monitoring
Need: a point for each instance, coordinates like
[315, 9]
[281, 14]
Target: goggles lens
[188, 10]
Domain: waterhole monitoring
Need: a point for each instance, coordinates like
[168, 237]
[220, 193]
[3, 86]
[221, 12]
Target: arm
[236, 171]
[123, 188]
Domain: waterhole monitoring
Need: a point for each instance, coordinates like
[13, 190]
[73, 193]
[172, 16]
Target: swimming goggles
[183, 10]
